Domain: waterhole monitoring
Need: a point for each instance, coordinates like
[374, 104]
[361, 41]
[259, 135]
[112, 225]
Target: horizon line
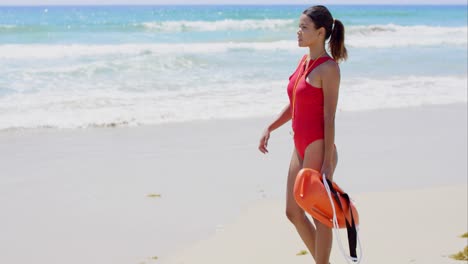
[232, 4]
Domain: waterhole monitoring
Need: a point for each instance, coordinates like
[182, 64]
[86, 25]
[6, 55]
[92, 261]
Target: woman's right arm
[282, 118]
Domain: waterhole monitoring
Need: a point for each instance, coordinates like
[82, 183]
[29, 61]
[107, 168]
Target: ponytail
[334, 30]
[336, 43]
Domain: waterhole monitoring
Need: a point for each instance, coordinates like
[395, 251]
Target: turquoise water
[69, 67]
[143, 24]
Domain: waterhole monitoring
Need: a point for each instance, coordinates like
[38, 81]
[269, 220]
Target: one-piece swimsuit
[308, 106]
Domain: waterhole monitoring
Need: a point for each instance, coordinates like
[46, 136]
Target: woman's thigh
[294, 167]
[313, 155]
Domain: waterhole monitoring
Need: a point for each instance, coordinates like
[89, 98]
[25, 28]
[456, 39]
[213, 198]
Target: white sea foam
[387, 36]
[359, 94]
[7, 26]
[220, 25]
[40, 51]
[109, 107]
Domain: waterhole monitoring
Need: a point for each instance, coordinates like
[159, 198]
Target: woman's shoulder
[330, 63]
[330, 68]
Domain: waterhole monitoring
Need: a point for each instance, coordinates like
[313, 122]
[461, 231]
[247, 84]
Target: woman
[313, 93]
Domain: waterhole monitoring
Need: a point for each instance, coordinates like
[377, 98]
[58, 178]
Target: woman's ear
[322, 32]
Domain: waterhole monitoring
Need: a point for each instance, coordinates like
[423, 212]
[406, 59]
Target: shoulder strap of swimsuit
[318, 63]
[301, 62]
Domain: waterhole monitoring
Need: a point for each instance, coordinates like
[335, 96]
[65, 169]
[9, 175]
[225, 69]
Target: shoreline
[199, 122]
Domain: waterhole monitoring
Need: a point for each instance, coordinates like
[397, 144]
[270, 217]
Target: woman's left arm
[330, 85]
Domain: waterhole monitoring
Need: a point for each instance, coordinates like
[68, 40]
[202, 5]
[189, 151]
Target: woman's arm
[282, 118]
[330, 86]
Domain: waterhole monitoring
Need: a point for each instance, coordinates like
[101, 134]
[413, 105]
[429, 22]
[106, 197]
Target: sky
[260, 2]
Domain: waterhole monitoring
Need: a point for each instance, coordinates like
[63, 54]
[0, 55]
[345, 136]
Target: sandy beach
[201, 192]
[396, 227]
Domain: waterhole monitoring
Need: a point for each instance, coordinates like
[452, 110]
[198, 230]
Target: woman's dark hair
[323, 18]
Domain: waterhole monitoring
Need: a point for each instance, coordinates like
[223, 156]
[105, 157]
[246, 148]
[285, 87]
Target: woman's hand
[262, 146]
[328, 168]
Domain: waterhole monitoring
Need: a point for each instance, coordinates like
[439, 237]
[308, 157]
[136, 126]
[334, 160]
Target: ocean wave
[219, 25]
[356, 37]
[42, 51]
[291, 25]
[6, 26]
[391, 35]
[359, 94]
[108, 107]
[158, 26]
[266, 24]
[375, 36]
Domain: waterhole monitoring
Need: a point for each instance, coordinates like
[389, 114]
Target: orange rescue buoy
[312, 197]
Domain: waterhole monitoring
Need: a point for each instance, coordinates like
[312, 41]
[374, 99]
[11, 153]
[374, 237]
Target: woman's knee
[320, 225]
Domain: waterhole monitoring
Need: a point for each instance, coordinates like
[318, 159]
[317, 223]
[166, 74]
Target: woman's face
[307, 34]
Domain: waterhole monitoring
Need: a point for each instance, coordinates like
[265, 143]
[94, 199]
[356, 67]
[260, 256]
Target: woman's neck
[316, 51]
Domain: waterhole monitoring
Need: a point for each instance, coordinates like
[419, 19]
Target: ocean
[68, 67]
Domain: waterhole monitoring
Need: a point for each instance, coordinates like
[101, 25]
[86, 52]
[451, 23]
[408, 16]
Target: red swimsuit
[308, 118]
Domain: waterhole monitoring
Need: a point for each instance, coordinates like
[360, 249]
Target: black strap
[350, 227]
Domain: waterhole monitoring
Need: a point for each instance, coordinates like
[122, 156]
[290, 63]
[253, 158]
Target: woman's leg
[313, 158]
[294, 213]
